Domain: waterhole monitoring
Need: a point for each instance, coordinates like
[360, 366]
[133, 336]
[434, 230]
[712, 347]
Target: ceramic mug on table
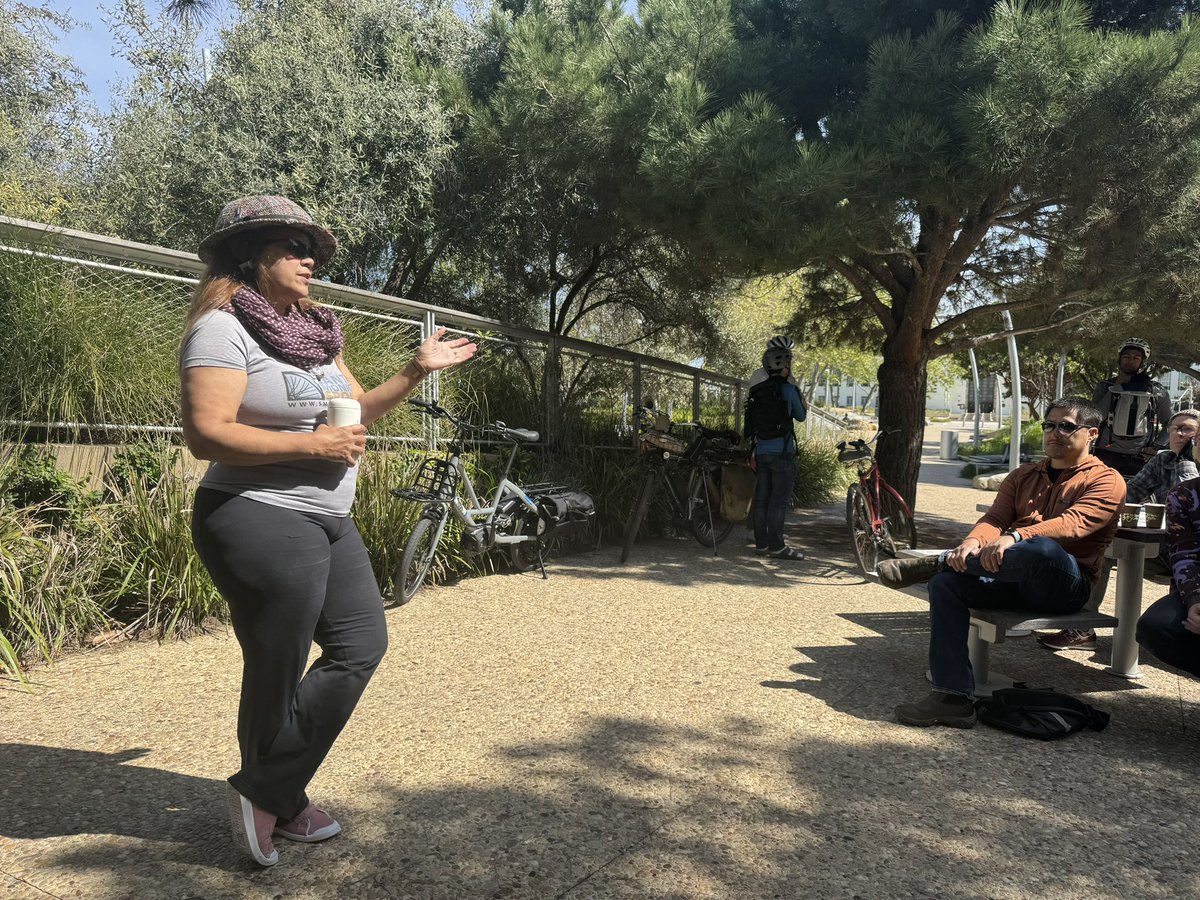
[1156, 515]
[1131, 515]
[343, 411]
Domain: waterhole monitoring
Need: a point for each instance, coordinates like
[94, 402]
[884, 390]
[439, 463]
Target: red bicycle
[879, 520]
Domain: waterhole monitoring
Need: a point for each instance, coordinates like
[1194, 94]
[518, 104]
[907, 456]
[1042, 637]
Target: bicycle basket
[658, 440]
[434, 482]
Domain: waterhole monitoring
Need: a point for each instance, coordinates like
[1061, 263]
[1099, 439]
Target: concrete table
[1129, 549]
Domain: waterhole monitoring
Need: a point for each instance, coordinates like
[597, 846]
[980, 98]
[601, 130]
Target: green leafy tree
[41, 109]
[361, 129]
[931, 165]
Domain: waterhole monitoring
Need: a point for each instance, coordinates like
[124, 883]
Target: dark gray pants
[291, 578]
[1160, 630]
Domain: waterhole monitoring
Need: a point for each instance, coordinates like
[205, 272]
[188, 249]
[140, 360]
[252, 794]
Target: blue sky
[90, 45]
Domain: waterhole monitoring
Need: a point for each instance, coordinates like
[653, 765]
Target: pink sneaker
[310, 826]
[252, 828]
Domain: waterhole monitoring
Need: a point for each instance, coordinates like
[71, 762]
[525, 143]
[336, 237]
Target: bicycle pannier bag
[566, 513]
[767, 413]
[1045, 715]
[1131, 413]
[737, 492]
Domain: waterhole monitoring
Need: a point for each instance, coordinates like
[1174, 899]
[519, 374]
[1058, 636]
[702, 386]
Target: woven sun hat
[267, 211]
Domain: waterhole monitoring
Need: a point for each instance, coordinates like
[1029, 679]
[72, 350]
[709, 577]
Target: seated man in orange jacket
[1039, 547]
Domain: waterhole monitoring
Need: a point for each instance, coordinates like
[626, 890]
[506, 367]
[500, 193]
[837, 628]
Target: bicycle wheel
[528, 555]
[862, 536]
[899, 529]
[649, 486]
[418, 557]
[704, 500]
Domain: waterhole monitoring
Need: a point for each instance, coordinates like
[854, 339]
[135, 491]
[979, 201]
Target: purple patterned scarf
[302, 339]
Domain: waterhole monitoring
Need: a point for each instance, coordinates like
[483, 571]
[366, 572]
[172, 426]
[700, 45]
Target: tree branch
[882, 312]
[1010, 305]
[970, 343]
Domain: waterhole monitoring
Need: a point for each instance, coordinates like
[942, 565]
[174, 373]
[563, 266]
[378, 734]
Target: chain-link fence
[90, 327]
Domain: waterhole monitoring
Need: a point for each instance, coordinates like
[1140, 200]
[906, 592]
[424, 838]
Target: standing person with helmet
[779, 342]
[773, 404]
[1135, 409]
[259, 364]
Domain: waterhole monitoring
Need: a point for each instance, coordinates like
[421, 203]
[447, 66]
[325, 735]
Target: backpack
[767, 412]
[1131, 413]
[1045, 715]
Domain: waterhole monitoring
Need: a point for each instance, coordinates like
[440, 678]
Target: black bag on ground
[767, 413]
[566, 514]
[1045, 715]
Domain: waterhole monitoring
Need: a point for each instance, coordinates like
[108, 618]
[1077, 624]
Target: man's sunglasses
[1063, 427]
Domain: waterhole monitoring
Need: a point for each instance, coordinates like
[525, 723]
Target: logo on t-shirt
[301, 386]
[304, 389]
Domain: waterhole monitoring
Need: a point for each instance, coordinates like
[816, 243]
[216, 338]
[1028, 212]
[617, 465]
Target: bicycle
[665, 455]
[526, 520]
[877, 516]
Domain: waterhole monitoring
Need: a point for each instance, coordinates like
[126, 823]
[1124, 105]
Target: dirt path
[684, 726]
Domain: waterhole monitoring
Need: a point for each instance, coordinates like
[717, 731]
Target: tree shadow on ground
[885, 664]
[739, 809]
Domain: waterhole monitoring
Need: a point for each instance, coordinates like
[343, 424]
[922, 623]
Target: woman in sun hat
[259, 364]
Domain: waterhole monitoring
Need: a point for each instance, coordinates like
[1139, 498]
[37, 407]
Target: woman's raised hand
[435, 353]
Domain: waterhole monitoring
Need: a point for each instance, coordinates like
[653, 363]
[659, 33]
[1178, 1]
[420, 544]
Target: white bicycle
[524, 520]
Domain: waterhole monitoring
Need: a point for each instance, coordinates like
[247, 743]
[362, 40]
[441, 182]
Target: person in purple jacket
[1170, 628]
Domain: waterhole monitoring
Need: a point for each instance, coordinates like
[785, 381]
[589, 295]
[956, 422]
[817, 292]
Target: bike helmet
[1137, 343]
[777, 360]
[780, 342]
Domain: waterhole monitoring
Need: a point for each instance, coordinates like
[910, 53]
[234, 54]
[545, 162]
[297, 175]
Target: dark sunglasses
[297, 247]
[1063, 427]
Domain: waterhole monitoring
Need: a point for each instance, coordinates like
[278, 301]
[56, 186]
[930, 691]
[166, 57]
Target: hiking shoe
[310, 826]
[251, 828]
[1069, 639]
[952, 710]
[761, 551]
[908, 570]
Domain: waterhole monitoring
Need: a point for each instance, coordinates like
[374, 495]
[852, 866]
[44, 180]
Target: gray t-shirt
[279, 397]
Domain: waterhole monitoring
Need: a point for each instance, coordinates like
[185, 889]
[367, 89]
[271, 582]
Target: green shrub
[143, 462]
[820, 478]
[153, 581]
[32, 481]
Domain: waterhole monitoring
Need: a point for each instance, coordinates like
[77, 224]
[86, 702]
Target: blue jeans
[776, 475]
[1160, 630]
[1036, 575]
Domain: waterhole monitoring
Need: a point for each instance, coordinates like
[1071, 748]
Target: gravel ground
[682, 726]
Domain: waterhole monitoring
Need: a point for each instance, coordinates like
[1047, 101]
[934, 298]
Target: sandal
[787, 553]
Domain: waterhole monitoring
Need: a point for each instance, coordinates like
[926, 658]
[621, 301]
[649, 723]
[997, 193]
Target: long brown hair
[227, 272]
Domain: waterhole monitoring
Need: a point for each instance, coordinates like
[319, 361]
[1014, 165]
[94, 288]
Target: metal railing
[76, 286]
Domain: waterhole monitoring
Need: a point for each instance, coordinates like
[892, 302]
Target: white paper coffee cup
[343, 411]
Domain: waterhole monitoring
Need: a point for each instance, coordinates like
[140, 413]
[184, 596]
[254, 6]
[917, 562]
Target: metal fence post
[696, 398]
[637, 399]
[551, 381]
[429, 387]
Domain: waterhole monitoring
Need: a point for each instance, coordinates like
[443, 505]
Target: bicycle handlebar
[437, 411]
